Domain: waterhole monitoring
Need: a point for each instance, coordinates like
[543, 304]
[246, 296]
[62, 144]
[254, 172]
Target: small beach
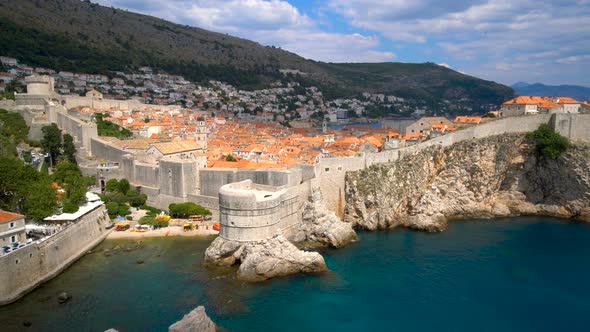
[167, 231]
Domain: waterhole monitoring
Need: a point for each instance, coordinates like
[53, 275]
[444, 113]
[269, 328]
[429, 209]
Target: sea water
[516, 274]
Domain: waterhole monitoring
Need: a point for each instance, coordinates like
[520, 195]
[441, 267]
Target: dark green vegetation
[58, 147]
[549, 143]
[107, 128]
[119, 196]
[151, 218]
[80, 36]
[13, 130]
[24, 190]
[9, 90]
[69, 149]
[51, 141]
[69, 177]
[185, 210]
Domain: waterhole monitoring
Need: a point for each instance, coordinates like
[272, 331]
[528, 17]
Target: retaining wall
[25, 269]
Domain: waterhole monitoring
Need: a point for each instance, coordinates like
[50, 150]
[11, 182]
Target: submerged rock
[195, 321]
[262, 260]
[63, 297]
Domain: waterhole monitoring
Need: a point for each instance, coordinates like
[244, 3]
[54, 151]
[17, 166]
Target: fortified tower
[251, 212]
[39, 91]
[40, 85]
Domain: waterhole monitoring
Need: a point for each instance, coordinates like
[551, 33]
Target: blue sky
[501, 40]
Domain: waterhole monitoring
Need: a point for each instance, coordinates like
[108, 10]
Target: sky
[507, 41]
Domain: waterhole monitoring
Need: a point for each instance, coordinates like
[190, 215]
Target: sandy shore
[168, 231]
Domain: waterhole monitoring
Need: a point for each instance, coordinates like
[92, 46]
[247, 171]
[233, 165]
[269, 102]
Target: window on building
[327, 169]
[11, 225]
[13, 238]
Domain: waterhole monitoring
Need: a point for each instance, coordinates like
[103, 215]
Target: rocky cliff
[496, 176]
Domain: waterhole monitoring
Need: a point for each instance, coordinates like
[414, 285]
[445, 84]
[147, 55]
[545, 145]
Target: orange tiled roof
[6, 216]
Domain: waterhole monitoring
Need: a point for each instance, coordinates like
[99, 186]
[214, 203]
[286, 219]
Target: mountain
[578, 92]
[519, 85]
[81, 36]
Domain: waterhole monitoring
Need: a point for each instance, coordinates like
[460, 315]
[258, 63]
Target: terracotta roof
[467, 119]
[177, 146]
[544, 102]
[566, 100]
[6, 216]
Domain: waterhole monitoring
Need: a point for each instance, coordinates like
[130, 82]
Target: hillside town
[276, 127]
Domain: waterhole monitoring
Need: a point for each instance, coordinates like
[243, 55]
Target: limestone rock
[195, 321]
[496, 176]
[277, 257]
[222, 252]
[322, 227]
[263, 260]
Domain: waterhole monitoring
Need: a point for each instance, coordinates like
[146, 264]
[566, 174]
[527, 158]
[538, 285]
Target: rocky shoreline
[499, 176]
[279, 256]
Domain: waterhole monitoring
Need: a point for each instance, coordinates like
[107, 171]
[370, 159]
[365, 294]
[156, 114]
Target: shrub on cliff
[549, 143]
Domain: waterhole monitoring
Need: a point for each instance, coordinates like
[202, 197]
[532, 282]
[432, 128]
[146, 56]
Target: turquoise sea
[517, 274]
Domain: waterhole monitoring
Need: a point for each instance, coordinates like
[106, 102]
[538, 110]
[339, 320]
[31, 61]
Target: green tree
[13, 130]
[112, 185]
[549, 143]
[230, 157]
[24, 190]
[69, 176]
[27, 157]
[123, 186]
[40, 201]
[69, 149]
[112, 208]
[51, 141]
[123, 210]
[187, 209]
[135, 198]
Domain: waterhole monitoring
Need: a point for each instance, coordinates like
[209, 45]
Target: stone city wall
[574, 126]
[211, 179]
[104, 104]
[83, 132]
[29, 267]
[331, 171]
[251, 212]
[102, 149]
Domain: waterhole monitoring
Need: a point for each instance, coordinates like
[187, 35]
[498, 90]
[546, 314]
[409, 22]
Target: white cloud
[491, 35]
[573, 59]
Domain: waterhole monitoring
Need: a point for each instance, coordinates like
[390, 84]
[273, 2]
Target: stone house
[94, 94]
[424, 125]
[524, 105]
[12, 228]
